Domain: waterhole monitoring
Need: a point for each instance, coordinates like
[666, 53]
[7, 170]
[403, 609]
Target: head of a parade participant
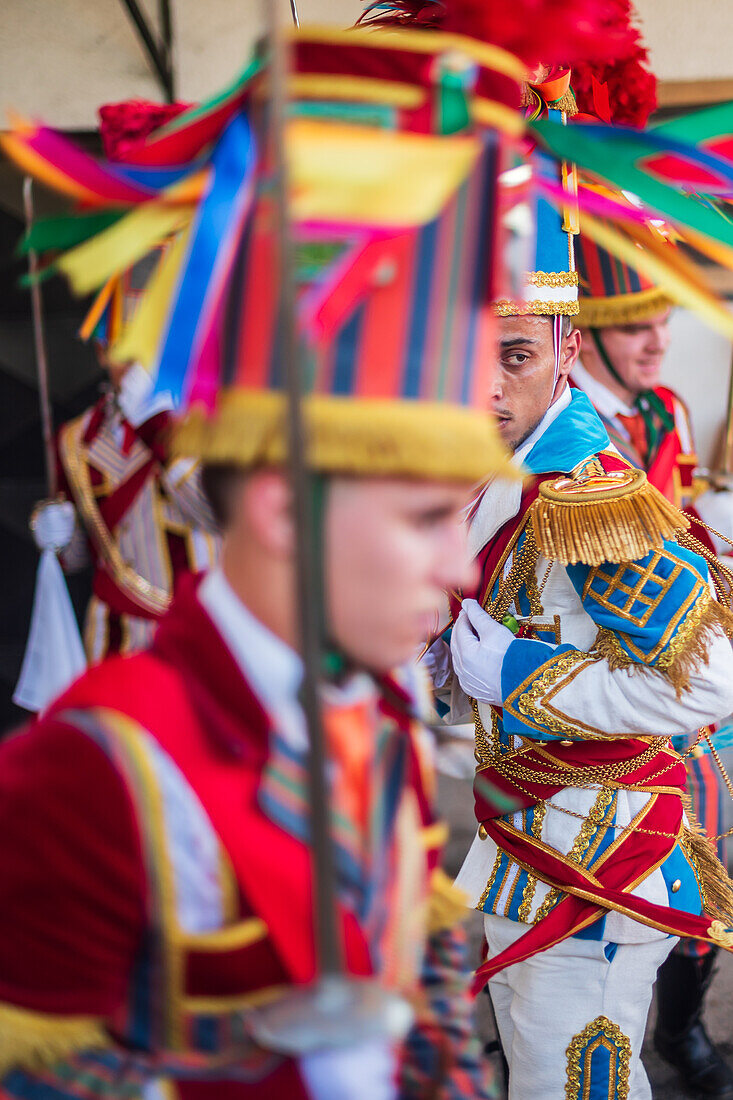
[628, 358]
[624, 320]
[391, 546]
[531, 372]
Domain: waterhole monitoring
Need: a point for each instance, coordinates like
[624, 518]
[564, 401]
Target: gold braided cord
[537, 307]
[619, 517]
[36, 1040]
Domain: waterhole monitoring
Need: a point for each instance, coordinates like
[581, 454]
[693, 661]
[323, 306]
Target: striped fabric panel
[414, 329]
[602, 275]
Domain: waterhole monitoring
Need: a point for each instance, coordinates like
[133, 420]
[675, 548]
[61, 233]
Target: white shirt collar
[271, 668]
[601, 398]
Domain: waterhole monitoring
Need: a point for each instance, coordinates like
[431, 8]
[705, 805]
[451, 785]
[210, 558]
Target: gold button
[676, 885]
[566, 742]
[477, 756]
[540, 743]
[482, 833]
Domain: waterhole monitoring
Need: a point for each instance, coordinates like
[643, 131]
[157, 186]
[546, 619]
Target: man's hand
[478, 646]
[437, 663]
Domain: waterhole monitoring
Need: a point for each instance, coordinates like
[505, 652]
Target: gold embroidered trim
[34, 1040]
[581, 844]
[600, 1032]
[504, 307]
[551, 278]
[492, 879]
[720, 934]
[146, 595]
[686, 653]
[540, 812]
[530, 701]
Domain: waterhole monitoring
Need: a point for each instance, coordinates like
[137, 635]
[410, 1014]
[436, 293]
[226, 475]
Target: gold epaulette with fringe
[603, 517]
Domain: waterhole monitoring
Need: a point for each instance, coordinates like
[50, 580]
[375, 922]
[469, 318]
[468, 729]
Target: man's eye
[516, 359]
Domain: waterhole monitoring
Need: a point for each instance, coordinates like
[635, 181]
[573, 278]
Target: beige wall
[688, 39]
[59, 59]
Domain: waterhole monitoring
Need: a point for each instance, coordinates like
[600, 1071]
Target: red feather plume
[551, 32]
[628, 83]
[123, 125]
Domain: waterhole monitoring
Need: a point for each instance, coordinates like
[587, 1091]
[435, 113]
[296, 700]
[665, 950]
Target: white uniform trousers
[572, 1018]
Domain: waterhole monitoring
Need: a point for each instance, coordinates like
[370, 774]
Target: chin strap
[656, 416]
[557, 340]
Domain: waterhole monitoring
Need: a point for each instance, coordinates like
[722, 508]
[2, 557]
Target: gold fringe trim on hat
[505, 307]
[687, 651]
[622, 309]
[715, 884]
[613, 517]
[362, 436]
[34, 1040]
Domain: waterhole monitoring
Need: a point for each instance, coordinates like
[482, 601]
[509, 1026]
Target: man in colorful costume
[142, 519]
[589, 640]
[156, 879]
[625, 329]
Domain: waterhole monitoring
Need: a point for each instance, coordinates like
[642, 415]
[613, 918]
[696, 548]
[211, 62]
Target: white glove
[437, 663]
[366, 1071]
[135, 396]
[52, 524]
[478, 645]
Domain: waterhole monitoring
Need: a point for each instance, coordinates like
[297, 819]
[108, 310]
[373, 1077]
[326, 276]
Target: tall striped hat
[393, 145]
[611, 292]
[550, 286]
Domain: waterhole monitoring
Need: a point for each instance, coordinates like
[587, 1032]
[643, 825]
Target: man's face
[524, 383]
[393, 547]
[637, 351]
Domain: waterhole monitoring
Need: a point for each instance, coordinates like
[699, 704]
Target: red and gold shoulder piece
[601, 515]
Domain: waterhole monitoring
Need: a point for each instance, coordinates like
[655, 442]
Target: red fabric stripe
[384, 332]
[257, 307]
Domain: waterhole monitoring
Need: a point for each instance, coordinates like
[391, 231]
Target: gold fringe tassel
[687, 652]
[362, 436]
[715, 884]
[35, 1040]
[602, 519]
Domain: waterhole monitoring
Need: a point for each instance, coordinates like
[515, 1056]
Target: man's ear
[570, 352]
[269, 515]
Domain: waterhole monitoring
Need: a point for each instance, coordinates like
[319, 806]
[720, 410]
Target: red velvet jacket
[83, 929]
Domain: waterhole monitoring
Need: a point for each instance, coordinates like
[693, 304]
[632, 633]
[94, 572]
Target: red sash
[607, 886]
